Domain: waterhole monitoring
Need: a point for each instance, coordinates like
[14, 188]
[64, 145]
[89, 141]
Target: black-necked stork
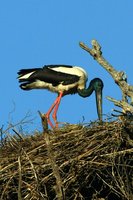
[62, 79]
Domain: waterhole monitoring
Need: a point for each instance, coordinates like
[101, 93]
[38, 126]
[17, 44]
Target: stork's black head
[97, 84]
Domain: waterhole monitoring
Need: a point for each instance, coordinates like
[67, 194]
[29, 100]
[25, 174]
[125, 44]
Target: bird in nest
[63, 80]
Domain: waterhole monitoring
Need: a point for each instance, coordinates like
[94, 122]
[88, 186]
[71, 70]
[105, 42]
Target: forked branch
[119, 77]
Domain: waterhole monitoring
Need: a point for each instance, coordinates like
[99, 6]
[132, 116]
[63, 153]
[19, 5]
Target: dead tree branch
[119, 77]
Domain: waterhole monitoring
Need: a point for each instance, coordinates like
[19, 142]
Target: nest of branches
[92, 161]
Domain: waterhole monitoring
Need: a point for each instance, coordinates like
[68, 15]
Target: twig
[110, 186]
[32, 166]
[7, 185]
[1, 136]
[123, 152]
[20, 179]
[20, 136]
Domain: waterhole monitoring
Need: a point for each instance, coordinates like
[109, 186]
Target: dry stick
[123, 152]
[6, 186]
[55, 168]
[33, 169]
[110, 186]
[119, 77]
[20, 179]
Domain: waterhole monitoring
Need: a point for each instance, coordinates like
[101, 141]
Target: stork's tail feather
[24, 74]
[26, 77]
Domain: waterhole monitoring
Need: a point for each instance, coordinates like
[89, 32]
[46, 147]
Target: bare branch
[119, 77]
[126, 107]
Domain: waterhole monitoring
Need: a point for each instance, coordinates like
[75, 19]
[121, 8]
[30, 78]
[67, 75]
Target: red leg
[56, 105]
[56, 108]
[49, 112]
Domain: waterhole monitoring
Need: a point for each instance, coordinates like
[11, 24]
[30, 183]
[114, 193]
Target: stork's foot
[56, 124]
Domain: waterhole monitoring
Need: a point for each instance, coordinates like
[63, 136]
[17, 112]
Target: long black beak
[99, 103]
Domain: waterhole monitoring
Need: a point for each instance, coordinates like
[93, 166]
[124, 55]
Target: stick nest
[93, 162]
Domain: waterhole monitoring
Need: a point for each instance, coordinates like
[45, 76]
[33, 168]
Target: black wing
[49, 75]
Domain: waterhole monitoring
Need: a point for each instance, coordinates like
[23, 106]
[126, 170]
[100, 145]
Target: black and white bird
[63, 80]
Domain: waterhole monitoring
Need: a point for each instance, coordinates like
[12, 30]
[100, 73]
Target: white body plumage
[56, 78]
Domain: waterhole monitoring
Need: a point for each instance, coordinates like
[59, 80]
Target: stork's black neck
[95, 85]
[86, 92]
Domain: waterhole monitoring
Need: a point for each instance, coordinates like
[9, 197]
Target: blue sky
[34, 33]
